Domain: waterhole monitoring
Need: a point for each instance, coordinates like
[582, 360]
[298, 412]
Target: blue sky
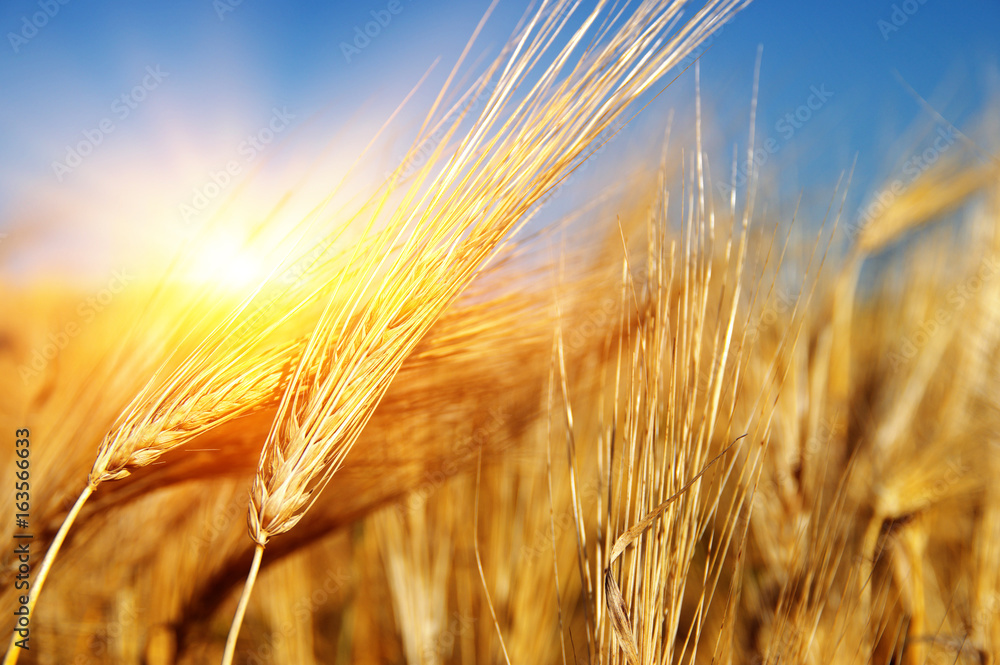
[224, 73]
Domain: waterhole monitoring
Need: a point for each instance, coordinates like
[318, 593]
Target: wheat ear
[514, 154]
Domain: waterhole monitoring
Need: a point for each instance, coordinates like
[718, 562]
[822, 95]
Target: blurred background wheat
[467, 400]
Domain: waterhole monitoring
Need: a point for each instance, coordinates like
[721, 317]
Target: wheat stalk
[501, 168]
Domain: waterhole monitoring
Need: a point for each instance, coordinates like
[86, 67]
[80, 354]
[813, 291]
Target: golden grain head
[695, 432]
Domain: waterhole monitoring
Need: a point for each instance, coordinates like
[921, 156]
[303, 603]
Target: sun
[225, 260]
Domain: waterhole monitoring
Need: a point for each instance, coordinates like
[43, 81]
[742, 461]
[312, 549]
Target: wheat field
[673, 426]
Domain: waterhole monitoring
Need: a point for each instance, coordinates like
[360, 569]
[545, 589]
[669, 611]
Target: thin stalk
[14, 652]
[241, 609]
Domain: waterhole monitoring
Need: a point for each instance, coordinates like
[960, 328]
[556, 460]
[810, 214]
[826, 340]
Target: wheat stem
[241, 609]
[50, 556]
